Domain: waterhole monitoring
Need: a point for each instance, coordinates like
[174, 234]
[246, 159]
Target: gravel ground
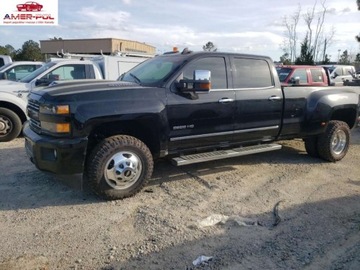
[223, 210]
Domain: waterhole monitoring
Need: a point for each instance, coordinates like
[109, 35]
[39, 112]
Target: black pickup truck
[190, 107]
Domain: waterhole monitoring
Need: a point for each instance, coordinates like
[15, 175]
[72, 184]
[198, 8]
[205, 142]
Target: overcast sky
[233, 25]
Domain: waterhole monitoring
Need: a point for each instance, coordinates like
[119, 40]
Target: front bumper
[56, 155]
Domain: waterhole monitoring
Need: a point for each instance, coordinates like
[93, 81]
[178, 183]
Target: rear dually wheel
[334, 143]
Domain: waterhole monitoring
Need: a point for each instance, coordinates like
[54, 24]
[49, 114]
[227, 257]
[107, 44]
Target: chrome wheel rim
[5, 125]
[122, 170]
[339, 142]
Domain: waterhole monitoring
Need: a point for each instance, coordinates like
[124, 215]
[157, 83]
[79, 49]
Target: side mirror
[295, 81]
[201, 82]
[47, 81]
[42, 82]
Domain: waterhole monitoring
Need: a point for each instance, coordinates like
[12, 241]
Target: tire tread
[96, 160]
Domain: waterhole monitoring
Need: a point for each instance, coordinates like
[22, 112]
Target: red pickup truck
[296, 75]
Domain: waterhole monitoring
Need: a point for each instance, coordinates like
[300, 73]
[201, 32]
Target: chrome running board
[221, 154]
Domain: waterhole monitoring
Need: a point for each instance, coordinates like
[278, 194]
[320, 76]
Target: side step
[221, 154]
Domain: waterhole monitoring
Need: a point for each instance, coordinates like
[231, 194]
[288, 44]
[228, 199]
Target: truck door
[202, 119]
[258, 101]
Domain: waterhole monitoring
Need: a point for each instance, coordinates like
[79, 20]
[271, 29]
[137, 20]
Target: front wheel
[10, 125]
[334, 143]
[119, 167]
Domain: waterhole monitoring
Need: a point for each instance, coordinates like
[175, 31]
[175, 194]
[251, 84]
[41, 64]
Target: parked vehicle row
[302, 75]
[13, 94]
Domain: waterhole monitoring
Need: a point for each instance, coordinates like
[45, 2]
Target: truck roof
[195, 53]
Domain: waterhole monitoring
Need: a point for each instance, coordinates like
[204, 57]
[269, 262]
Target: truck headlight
[55, 109]
[56, 127]
[53, 118]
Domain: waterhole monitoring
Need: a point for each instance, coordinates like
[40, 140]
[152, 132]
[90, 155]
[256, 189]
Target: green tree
[306, 56]
[285, 59]
[357, 58]
[344, 58]
[210, 47]
[326, 60]
[7, 50]
[3, 50]
[30, 51]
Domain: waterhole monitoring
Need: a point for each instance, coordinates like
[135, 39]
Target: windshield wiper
[137, 80]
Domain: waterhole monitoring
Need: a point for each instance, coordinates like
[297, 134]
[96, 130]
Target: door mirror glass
[201, 82]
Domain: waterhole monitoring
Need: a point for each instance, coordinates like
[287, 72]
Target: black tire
[311, 146]
[334, 143]
[122, 157]
[10, 125]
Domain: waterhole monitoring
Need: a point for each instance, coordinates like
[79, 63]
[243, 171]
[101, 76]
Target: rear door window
[316, 75]
[251, 73]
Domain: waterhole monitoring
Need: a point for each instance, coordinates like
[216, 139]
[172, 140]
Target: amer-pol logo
[18, 12]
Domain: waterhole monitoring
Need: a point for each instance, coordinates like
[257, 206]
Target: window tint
[283, 73]
[316, 75]
[153, 72]
[300, 74]
[217, 67]
[251, 73]
[70, 72]
[18, 72]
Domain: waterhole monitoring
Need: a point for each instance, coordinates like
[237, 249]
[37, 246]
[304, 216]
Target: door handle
[226, 100]
[274, 98]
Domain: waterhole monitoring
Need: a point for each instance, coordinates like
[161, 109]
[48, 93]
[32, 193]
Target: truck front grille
[33, 109]
[35, 126]
[33, 105]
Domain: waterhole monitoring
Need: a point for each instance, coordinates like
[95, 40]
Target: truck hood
[76, 87]
[11, 86]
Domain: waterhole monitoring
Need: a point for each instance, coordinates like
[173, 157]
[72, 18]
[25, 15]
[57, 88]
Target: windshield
[153, 72]
[283, 73]
[37, 72]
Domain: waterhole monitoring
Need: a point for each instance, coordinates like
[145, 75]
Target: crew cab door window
[251, 73]
[217, 67]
